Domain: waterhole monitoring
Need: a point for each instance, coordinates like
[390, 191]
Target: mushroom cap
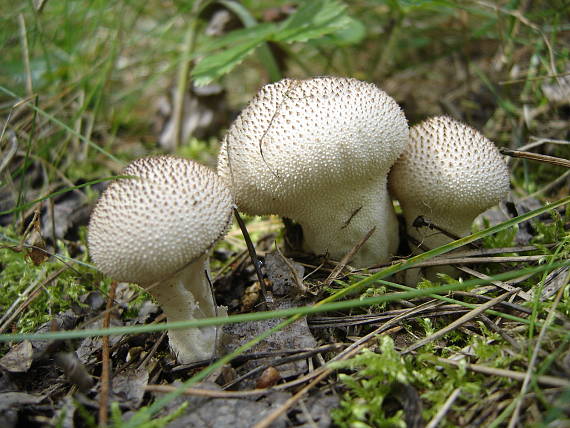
[449, 166]
[147, 227]
[298, 137]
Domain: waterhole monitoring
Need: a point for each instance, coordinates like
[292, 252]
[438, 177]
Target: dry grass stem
[30, 293]
[457, 323]
[521, 293]
[106, 362]
[444, 409]
[25, 54]
[491, 325]
[536, 157]
[515, 416]
[511, 374]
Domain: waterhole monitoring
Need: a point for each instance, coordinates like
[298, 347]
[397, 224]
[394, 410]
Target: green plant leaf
[314, 19]
[216, 65]
[233, 39]
[352, 34]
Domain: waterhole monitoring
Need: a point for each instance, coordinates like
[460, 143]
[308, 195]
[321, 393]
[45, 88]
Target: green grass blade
[62, 125]
[283, 313]
[61, 192]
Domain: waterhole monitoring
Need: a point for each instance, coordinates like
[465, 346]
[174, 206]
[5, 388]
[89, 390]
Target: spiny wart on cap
[311, 150]
[154, 229]
[171, 212]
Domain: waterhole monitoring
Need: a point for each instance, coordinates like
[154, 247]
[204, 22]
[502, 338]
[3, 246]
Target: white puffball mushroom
[318, 151]
[155, 229]
[449, 173]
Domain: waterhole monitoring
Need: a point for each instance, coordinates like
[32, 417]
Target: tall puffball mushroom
[155, 229]
[318, 151]
[449, 174]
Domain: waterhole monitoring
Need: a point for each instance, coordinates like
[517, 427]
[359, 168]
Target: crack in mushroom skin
[315, 151]
[155, 229]
[449, 173]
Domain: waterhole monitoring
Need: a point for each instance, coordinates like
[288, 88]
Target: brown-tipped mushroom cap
[150, 226]
[450, 174]
[318, 151]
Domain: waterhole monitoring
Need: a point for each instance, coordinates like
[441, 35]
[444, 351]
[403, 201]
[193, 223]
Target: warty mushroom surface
[318, 151]
[449, 174]
[155, 230]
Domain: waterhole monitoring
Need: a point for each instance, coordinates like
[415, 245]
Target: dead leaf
[284, 274]
[555, 280]
[62, 321]
[129, 387]
[12, 402]
[558, 92]
[294, 336]
[226, 412]
[204, 114]
[318, 414]
[33, 237]
[507, 210]
[90, 347]
[19, 358]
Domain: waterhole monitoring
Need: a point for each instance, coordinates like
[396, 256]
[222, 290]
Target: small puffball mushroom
[318, 151]
[155, 229]
[449, 173]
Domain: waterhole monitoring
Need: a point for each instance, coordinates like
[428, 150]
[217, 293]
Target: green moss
[368, 388]
[20, 277]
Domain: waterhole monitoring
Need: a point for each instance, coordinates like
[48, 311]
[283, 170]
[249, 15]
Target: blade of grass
[60, 192]
[324, 305]
[61, 124]
[182, 80]
[22, 189]
[459, 302]
[348, 290]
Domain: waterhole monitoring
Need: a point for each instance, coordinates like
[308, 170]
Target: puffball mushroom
[318, 151]
[449, 173]
[155, 229]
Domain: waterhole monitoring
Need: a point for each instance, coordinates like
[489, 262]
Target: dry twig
[106, 363]
[444, 409]
[511, 374]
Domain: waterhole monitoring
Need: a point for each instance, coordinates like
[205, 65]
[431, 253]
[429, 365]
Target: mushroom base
[188, 296]
[334, 222]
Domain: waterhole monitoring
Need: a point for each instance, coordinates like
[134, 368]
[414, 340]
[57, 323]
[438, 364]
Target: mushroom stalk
[155, 229]
[318, 151]
[188, 296]
[334, 222]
